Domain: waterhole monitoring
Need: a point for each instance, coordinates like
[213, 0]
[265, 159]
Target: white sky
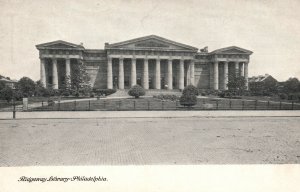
[270, 28]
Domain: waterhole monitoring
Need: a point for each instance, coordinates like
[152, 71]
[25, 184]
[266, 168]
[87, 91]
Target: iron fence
[152, 105]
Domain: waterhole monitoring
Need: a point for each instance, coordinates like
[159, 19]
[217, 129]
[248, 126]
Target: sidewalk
[145, 114]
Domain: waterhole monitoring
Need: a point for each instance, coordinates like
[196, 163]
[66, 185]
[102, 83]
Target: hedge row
[167, 97]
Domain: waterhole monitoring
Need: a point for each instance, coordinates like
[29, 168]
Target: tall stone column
[146, 74]
[109, 73]
[181, 74]
[225, 76]
[192, 76]
[157, 75]
[188, 75]
[121, 73]
[246, 74]
[237, 69]
[170, 74]
[216, 75]
[133, 72]
[211, 75]
[242, 71]
[54, 74]
[68, 71]
[43, 72]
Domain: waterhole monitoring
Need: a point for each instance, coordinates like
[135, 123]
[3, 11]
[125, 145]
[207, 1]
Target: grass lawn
[5, 105]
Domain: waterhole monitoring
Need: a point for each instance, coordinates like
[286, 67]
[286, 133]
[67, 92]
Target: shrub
[188, 100]
[222, 94]
[226, 94]
[6, 94]
[190, 89]
[136, 91]
[203, 93]
[283, 96]
[294, 96]
[76, 94]
[51, 102]
[104, 91]
[167, 97]
[66, 93]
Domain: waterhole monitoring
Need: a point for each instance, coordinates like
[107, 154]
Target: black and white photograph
[149, 89]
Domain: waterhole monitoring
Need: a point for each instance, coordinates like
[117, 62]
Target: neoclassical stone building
[151, 61]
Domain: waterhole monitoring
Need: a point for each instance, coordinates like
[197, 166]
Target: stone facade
[152, 62]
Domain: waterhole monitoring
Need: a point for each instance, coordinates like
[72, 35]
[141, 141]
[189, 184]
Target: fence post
[134, 105]
[120, 105]
[292, 105]
[217, 104]
[268, 104]
[75, 105]
[229, 103]
[176, 104]
[243, 105]
[148, 105]
[42, 103]
[104, 104]
[280, 105]
[14, 109]
[255, 104]
[162, 105]
[89, 105]
[58, 105]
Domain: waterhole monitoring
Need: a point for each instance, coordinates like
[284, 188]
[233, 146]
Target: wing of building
[151, 61]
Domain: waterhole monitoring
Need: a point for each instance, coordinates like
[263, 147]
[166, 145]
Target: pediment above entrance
[151, 42]
[232, 50]
[59, 45]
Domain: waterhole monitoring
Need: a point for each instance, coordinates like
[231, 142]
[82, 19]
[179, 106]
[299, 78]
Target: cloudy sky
[270, 28]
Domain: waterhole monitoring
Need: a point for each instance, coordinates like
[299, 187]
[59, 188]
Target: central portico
[151, 61]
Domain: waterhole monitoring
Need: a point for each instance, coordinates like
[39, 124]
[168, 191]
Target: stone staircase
[150, 92]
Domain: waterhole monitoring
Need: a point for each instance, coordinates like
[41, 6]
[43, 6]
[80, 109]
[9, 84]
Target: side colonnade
[240, 69]
[54, 74]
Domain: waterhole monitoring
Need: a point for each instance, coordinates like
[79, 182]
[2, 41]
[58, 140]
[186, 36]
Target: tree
[136, 91]
[237, 85]
[2, 85]
[189, 96]
[6, 94]
[40, 90]
[80, 80]
[292, 85]
[26, 86]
